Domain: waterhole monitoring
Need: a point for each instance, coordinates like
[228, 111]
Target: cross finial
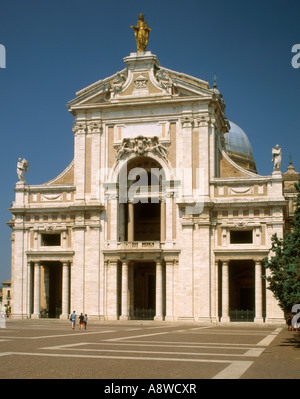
[215, 81]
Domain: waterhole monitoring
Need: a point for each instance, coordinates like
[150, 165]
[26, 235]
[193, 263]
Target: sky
[55, 48]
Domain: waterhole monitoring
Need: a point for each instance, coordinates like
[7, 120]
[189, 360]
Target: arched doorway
[141, 184]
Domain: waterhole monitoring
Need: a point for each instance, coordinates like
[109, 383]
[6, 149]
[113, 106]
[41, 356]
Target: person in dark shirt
[81, 320]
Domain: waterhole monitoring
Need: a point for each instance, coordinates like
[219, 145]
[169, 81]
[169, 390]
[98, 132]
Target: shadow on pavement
[292, 341]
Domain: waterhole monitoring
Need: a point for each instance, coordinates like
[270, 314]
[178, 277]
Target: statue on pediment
[276, 158]
[164, 80]
[118, 82]
[22, 168]
[141, 32]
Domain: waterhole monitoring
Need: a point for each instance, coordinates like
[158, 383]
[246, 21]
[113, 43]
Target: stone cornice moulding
[268, 201]
[61, 207]
[256, 179]
[49, 228]
[141, 101]
[227, 254]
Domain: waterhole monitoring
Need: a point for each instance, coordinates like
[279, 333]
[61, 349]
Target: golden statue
[141, 32]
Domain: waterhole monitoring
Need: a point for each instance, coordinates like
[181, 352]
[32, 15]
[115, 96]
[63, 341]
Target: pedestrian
[289, 323]
[73, 318]
[81, 320]
[85, 321]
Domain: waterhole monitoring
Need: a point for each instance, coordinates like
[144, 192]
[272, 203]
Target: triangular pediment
[143, 78]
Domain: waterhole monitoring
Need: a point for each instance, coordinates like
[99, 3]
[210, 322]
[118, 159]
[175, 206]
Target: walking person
[85, 321]
[81, 320]
[73, 318]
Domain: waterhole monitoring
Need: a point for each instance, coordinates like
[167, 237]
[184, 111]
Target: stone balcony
[139, 245]
[141, 250]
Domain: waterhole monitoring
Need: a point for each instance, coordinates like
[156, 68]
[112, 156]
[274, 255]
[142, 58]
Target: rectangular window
[241, 237]
[50, 240]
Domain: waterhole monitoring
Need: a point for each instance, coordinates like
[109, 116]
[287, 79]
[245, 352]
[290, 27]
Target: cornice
[61, 207]
[141, 101]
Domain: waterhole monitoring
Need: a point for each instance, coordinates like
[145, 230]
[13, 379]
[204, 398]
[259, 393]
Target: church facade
[160, 215]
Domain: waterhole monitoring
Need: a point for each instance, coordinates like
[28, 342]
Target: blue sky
[55, 48]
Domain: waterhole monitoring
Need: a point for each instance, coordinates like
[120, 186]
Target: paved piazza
[50, 349]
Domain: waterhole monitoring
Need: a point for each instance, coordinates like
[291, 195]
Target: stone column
[158, 291]
[169, 218]
[65, 290]
[163, 220]
[105, 285]
[215, 295]
[122, 222]
[170, 264]
[112, 290]
[124, 291]
[29, 289]
[258, 293]
[130, 235]
[36, 294]
[131, 289]
[225, 292]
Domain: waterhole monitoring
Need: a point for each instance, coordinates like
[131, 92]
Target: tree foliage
[284, 265]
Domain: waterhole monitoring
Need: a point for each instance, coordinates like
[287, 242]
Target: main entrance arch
[141, 200]
[139, 282]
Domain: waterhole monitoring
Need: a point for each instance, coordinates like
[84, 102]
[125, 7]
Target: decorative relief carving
[50, 228]
[240, 190]
[140, 83]
[141, 146]
[87, 127]
[240, 225]
[95, 127]
[118, 83]
[79, 127]
[164, 80]
[203, 120]
[51, 197]
[187, 121]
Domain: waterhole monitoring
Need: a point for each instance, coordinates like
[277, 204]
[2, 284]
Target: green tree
[284, 265]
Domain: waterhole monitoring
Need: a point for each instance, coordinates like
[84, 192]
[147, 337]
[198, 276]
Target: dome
[238, 147]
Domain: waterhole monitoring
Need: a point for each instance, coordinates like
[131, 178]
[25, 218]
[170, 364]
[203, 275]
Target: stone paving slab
[118, 351]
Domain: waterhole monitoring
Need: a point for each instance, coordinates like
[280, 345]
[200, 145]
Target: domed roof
[237, 142]
[238, 147]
